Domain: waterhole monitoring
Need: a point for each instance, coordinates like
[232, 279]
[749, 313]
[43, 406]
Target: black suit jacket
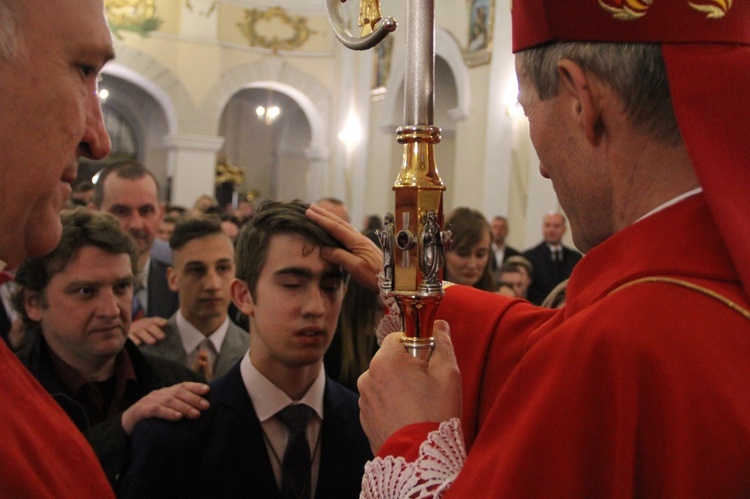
[108, 439]
[223, 454]
[509, 252]
[546, 275]
[162, 301]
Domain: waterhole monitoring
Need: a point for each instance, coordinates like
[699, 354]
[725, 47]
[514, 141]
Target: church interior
[265, 92]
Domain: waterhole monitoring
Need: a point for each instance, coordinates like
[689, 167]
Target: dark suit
[108, 439]
[235, 345]
[223, 453]
[509, 252]
[162, 301]
[546, 273]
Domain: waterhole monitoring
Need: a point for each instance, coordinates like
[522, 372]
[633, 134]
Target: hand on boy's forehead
[294, 251]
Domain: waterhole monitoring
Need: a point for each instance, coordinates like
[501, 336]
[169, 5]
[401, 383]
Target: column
[191, 165]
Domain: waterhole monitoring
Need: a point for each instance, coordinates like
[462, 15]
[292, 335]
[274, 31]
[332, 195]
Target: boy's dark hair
[274, 217]
[194, 227]
[129, 169]
[80, 228]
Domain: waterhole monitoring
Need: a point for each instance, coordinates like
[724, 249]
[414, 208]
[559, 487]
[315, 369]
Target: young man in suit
[552, 262]
[200, 334]
[75, 303]
[241, 447]
[130, 192]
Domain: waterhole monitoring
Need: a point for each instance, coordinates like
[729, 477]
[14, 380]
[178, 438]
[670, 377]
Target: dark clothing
[495, 265]
[223, 454]
[108, 438]
[547, 274]
[102, 400]
[4, 325]
[162, 301]
[509, 252]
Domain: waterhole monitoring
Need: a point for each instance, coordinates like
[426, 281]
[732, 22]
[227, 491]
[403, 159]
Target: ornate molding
[260, 28]
[205, 13]
[138, 16]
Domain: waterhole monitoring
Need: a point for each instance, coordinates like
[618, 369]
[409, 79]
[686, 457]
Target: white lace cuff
[441, 458]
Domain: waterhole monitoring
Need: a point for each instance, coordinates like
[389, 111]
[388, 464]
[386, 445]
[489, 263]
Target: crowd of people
[185, 352]
[479, 257]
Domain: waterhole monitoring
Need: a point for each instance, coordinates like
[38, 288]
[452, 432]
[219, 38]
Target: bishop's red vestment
[638, 387]
[42, 453]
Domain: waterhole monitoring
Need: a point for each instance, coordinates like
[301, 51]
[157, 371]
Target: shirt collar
[672, 201]
[268, 399]
[191, 337]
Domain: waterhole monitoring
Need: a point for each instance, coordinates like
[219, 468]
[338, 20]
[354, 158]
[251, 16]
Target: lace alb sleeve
[441, 458]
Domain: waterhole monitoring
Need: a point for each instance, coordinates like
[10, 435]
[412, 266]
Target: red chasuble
[42, 453]
[640, 386]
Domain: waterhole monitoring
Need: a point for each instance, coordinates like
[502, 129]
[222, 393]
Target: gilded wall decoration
[228, 174]
[138, 16]
[205, 13]
[274, 29]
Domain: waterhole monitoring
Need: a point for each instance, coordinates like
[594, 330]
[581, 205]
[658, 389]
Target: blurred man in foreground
[51, 54]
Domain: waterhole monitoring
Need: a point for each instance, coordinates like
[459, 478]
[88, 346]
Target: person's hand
[399, 389]
[171, 403]
[203, 366]
[149, 330]
[363, 260]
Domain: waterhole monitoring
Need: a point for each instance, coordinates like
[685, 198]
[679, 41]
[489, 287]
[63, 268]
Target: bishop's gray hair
[635, 71]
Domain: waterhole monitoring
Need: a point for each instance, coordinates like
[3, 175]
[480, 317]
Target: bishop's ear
[582, 93]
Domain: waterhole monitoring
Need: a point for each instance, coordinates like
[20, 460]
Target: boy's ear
[241, 297]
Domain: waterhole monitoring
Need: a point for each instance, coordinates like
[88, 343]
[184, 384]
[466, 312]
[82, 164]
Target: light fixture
[351, 135]
[269, 112]
[103, 93]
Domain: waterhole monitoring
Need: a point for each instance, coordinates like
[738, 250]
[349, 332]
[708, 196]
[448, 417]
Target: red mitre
[706, 48]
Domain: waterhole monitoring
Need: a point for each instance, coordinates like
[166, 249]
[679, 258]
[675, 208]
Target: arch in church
[152, 100]
[273, 73]
[144, 71]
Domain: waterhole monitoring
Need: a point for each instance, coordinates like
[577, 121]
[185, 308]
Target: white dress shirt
[268, 399]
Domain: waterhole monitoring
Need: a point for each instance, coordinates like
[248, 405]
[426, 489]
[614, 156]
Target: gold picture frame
[481, 25]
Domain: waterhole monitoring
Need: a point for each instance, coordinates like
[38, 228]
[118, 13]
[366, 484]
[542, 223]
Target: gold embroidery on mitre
[626, 10]
[714, 9]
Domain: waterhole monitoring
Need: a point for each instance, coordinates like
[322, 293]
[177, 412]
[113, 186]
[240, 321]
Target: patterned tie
[203, 358]
[296, 467]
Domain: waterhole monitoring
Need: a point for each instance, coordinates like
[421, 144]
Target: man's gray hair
[635, 71]
[9, 33]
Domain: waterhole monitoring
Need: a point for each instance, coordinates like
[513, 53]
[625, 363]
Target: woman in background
[468, 259]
